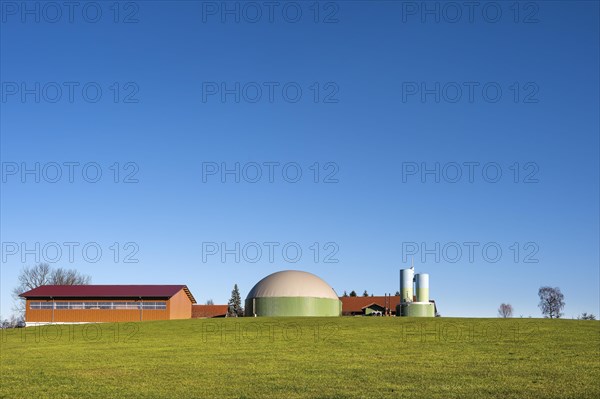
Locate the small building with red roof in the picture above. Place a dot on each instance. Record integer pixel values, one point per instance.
(209, 311)
(367, 305)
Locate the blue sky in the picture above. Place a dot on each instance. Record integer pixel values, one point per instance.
(380, 84)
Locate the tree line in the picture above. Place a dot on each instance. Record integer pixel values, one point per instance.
(365, 293)
(552, 302)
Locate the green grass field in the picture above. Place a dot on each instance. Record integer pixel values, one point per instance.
(377, 357)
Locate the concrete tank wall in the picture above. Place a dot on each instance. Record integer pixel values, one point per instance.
(416, 309)
(293, 306)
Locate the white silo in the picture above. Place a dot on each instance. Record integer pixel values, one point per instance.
(406, 285)
(422, 287)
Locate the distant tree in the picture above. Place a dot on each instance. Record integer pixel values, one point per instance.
(235, 303)
(353, 293)
(505, 310)
(365, 293)
(68, 277)
(210, 302)
(552, 301)
(345, 294)
(586, 316)
(397, 293)
(43, 274)
(14, 322)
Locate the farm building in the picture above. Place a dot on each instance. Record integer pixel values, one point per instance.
(106, 303)
(369, 305)
(376, 305)
(292, 293)
(208, 311)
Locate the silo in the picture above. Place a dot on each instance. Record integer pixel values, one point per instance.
(292, 293)
(406, 285)
(422, 287)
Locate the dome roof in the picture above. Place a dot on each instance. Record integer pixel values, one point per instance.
(292, 283)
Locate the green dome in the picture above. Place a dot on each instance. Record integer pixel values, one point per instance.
(292, 293)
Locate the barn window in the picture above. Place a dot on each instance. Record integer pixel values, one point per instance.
(99, 305)
(40, 305)
(154, 305)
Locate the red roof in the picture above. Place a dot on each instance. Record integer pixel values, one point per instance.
(209, 310)
(355, 304)
(107, 291)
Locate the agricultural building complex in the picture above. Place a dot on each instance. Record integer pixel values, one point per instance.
(284, 293)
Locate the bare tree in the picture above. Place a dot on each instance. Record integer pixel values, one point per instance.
(30, 278)
(33, 277)
(552, 301)
(68, 277)
(210, 302)
(505, 310)
(43, 274)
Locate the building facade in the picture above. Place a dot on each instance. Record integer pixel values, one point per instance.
(106, 303)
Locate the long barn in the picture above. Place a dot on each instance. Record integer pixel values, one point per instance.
(106, 303)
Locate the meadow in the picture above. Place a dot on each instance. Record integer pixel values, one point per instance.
(350, 357)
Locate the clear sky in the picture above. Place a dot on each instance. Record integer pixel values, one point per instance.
(209, 113)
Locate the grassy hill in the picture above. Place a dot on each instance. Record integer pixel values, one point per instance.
(376, 357)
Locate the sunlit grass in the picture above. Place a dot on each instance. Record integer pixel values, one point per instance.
(377, 357)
